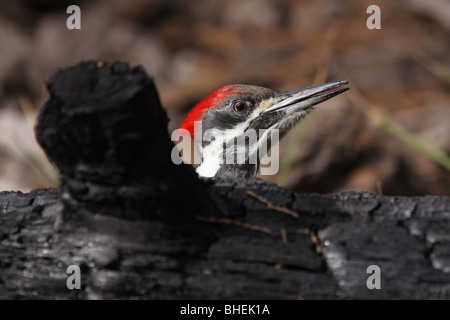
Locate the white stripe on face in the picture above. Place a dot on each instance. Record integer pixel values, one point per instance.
(213, 152)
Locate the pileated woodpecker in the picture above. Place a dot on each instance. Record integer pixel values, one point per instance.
(235, 110)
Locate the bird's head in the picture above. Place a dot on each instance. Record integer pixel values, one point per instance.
(235, 110)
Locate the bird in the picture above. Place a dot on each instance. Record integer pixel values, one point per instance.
(239, 110)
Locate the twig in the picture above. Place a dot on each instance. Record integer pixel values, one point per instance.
(283, 235)
(271, 206)
(316, 242)
(379, 188)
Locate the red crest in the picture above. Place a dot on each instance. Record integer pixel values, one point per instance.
(214, 100)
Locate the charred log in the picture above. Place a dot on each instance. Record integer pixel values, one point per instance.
(139, 226)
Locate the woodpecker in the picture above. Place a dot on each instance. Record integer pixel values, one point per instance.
(235, 110)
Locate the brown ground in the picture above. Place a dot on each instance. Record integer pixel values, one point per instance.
(194, 47)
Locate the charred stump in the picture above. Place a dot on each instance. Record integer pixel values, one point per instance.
(139, 226)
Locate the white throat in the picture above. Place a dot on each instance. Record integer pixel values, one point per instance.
(211, 159)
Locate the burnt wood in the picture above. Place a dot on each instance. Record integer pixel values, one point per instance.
(142, 227)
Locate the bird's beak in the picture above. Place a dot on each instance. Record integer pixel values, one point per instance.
(305, 98)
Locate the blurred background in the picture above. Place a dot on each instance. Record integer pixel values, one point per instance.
(389, 134)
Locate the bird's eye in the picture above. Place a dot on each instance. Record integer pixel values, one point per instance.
(240, 106)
